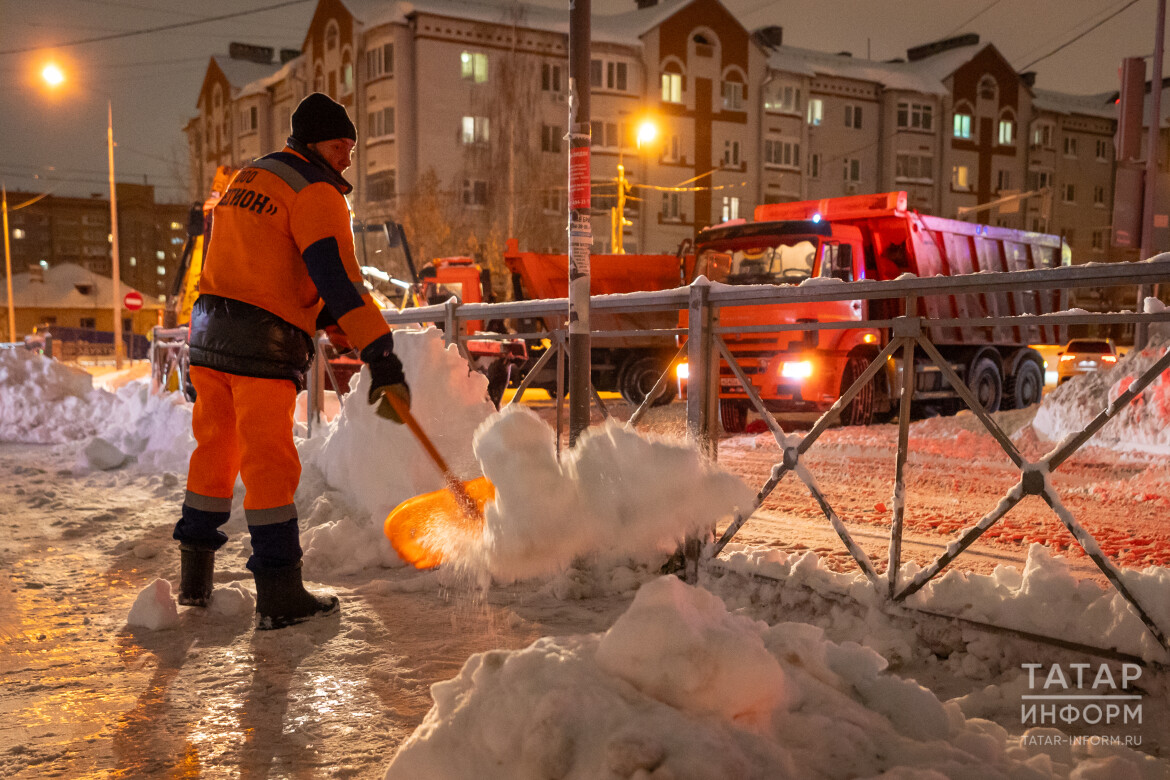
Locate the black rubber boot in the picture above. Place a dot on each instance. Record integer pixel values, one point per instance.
(281, 599)
(197, 569)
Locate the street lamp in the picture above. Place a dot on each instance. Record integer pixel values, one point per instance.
(55, 77)
(644, 135)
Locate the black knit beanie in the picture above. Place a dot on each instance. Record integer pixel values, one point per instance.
(319, 118)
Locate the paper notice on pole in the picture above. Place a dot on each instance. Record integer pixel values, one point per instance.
(579, 178)
(580, 245)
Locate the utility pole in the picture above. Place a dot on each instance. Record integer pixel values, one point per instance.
(119, 350)
(1141, 331)
(580, 229)
(8, 270)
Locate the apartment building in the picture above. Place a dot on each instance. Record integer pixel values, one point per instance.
(461, 110)
(56, 230)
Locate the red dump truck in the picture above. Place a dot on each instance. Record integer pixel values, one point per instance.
(626, 364)
(875, 237)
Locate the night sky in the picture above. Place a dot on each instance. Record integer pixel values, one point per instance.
(153, 79)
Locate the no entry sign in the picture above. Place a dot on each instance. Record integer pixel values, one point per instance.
(132, 301)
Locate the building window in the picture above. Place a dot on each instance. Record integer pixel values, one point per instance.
(1068, 194)
(814, 166)
(161, 270)
(733, 96)
(1040, 179)
(1099, 238)
(915, 116)
(853, 116)
(473, 66)
(248, 119)
(670, 207)
(914, 167)
(1007, 132)
(346, 72)
(1102, 149)
(784, 98)
(961, 178)
(816, 111)
(1003, 180)
(381, 185)
(475, 130)
(730, 208)
(380, 61)
(609, 74)
(781, 154)
(1042, 136)
(553, 202)
(852, 169)
(962, 126)
(550, 138)
(381, 123)
(731, 152)
(672, 87)
(89, 323)
(1099, 196)
(18, 233)
(475, 192)
(670, 150)
(604, 134)
(550, 77)
(988, 88)
(1070, 146)
(331, 35)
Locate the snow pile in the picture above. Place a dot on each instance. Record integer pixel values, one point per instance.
(615, 495)
(1046, 598)
(678, 687)
(155, 608)
(379, 464)
(1143, 424)
(153, 430)
(43, 401)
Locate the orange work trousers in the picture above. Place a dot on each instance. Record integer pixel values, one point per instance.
(244, 426)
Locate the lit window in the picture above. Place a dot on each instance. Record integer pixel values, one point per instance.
(162, 270)
(961, 177)
(816, 111)
(733, 96)
(161, 255)
(671, 87)
(962, 125)
(781, 97)
(730, 208)
(1007, 132)
(475, 130)
(17, 233)
(133, 261)
(474, 66)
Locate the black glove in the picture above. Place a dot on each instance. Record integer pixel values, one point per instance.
(385, 376)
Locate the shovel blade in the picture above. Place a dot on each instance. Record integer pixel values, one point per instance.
(415, 524)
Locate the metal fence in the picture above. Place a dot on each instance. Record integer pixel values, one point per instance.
(705, 347)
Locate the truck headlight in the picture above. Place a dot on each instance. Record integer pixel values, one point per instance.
(798, 369)
(682, 370)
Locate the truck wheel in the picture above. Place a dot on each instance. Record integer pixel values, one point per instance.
(986, 384)
(860, 410)
(733, 415)
(638, 378)
(1025, 388)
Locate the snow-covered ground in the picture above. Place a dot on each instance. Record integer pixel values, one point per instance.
(777, 665)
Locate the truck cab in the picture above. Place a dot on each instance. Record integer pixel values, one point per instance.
(791, 370)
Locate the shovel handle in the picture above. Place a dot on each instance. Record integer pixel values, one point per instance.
(403, 412)
(466, 503)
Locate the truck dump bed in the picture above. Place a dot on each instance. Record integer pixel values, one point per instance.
(547, 276)
(899, 241)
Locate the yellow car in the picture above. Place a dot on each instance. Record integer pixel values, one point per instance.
(1085, 356)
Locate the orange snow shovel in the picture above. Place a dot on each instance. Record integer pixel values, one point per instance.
(458, 506)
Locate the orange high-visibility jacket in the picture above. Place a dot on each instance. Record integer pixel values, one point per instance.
(282, 241)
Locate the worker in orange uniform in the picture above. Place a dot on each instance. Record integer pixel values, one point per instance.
(280, 262)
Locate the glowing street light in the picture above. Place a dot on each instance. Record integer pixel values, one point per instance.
(55, 77)
(647, 132)
(644, 135)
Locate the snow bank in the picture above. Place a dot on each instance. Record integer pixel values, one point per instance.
(152, 430)
(1046, 598)
(1142, 425)
(43, 401)
(680, 688)
(615, 495)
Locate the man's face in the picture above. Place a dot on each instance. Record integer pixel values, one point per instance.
(338, 152)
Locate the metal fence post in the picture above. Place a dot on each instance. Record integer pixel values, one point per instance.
(703, 372)
(451, 333)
